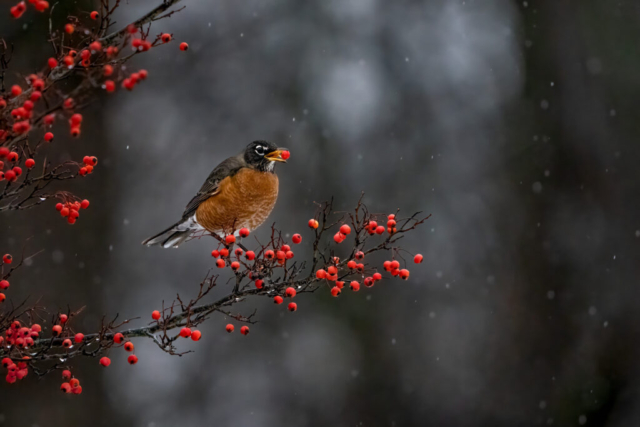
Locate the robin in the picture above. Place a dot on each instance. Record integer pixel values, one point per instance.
(239, 193)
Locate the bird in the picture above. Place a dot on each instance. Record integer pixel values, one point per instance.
(239, 193)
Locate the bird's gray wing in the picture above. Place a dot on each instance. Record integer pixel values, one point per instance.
(225, 169)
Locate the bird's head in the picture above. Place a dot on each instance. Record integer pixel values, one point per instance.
(263, 154)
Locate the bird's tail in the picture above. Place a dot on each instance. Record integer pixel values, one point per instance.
(175, 235)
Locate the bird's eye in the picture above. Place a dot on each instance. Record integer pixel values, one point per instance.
(260, 150)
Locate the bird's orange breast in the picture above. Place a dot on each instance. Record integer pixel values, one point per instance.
(242, 200)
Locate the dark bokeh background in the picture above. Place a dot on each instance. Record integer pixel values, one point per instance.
(514, 123)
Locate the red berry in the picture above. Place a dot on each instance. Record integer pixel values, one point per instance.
(259, 283)
(352, 264)
(76, 119)
(404, 274)
(17, 170)
(229, 328)
(41, 5)
(128, 346)
(48, 137)
(4, 284)
(155, 315)
(68, 103)
(107, 70)
(235, 265)
(196, 335)
(244, 330)
(65, 387)
(418, 258)
(78, 338)
(345, 229)
(94, 15)
(220, 263)
(69, 28)
(244, 232)
(52, 62)
(143, 74)
(281, 255)
(285, 155)
(355, 286)
(63, 318)
(340, 284)
(395, 265)
(184, 46)
(84, 204)
(377, 276)
(339, 237)
(292, 306)
(49, 119)
(66, 374)
(321, 274)
(105, 361)
(296, 238)
(368, 282)
(35, 95)
(110, 86)
(74, 382)
(166, 38)
(132, 359)
(215, 253)
(250, 255)
(290, 292)
(278, 299)
(66, 343)
(10, 175)
(269, 254)
(118, 338)
(313, 223)
(2, 298)
(335, 291)
(185, 332)
(359, 255)
(29, 163)
(230, 239)
(379, 229)
(16, 90)
(224, 252)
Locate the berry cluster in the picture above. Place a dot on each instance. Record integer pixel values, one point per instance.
(15, 371)
(71, 384)
(10, 160)
(71, 209)
(4, 283)
(89, 163)
(20, 336)
(19, 9)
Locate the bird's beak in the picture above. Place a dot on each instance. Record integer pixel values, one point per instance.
(279, 155)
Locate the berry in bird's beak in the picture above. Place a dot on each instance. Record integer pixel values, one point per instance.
(279, 155)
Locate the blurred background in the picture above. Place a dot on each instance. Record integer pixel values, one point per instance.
(514, 123)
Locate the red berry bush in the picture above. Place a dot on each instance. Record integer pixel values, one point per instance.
(88, 59)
